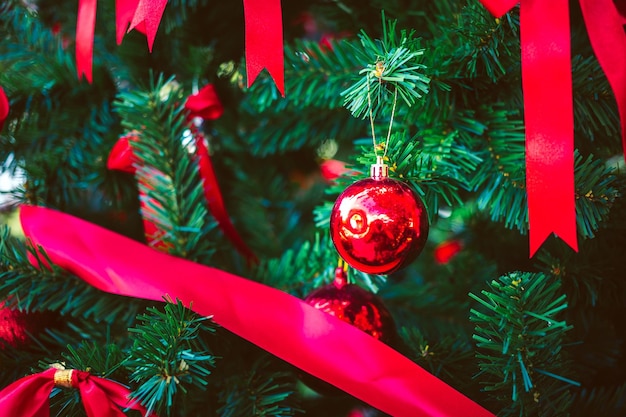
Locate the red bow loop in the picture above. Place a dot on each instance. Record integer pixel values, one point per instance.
(30, 396)
(205, 104)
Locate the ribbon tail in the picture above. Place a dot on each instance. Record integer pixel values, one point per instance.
(215, 201)
(264, 40)
(549, 120)
(124, 12)
(85, 28)
(605, 27)
(310, 339)
(29, 396)
(499, 7)
(149, 12)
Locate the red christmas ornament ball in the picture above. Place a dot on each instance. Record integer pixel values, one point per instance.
(13, 326)
(379, 225)
(354, 305)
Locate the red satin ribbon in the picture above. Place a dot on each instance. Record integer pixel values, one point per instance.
(85, 27)
(283, 325)
(30, 396)
(124, 12)
(4, 107)
(206, 105)
(264, 33)
(264, 40)
(215, 201)
(148, 17)
(548, 103)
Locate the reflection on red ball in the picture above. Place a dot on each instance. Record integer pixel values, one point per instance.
(379, 226)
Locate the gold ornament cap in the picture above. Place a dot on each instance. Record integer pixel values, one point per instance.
(379, 170)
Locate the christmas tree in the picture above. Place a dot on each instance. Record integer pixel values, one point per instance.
(165, 165)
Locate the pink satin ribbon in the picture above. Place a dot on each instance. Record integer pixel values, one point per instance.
(283, 325)
(30, 396)
(548, 103)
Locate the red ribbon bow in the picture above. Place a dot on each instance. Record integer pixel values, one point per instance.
(264, 33)
(4, 107)
(302, 335)
(30, 396)
(548, 103)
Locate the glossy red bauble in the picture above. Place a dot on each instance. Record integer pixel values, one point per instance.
(379, 225)
(354, 305)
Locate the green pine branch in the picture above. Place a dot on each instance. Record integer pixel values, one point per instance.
(393, 71)
(167, 172)
(261, 392)
(53, 289)
(519, 335)
(169, 357)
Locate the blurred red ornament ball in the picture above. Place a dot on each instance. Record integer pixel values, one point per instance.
(445, 251)
(379, 225)
(13, 325)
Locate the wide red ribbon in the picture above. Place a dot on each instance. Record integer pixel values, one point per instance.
(548, 103)
(30, 396)
(4, 107)
(298, 333)
(264, 40)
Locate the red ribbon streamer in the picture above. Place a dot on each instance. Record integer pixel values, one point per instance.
(124, 12)
(311, 340)
(148, 17)
(30, 396)
(264, 40)
(215, 201)
(4, 107)
(264, 33)
(206, 105)
(548, 103)
(85, 27)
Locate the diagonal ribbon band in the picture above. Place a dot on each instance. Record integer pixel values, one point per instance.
(30, 396)
(548, 103)
(309, 339)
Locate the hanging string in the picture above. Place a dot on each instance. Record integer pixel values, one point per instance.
(378, 72)
(393, 112)
(369, 105)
